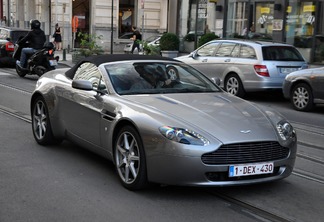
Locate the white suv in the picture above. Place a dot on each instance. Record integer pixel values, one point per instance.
(244, 66)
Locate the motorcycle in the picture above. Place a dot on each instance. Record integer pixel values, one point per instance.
(38, 63)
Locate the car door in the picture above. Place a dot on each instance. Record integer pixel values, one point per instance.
(318, 83)
(216, 63)
(202, 59)
(82, 110)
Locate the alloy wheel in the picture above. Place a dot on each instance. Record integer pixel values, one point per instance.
(232, 85)
(300, 97)
(40, 120)
(127, 157)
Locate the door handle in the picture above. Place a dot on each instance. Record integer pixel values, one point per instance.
(227, 60)
(204, 60)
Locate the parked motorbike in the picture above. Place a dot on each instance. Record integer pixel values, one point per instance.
(38, 63)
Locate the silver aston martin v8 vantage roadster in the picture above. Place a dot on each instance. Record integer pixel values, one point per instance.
(161, 121)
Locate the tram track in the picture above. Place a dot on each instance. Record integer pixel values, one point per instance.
(16, 88)
(253, 210)
(307, 128)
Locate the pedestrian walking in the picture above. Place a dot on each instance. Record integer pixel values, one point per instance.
(4, 21)
(57, 37)
(137, 37)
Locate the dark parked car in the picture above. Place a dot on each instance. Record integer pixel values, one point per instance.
(305, 88)
(8, 37)
(11, 33)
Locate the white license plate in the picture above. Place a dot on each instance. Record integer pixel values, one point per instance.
(288, 70)
(53, 62)
(250, 169)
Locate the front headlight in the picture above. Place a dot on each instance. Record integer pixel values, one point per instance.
(184, 136)
(285, 130)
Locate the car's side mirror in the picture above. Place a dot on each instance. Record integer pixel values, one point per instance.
(216, 80)
(82, 84)
(193, 55)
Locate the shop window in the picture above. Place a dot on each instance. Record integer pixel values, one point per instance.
(237, 19)
(264, 19)
(126, 18)
(200, 13)
(300, 29)
(81, 10)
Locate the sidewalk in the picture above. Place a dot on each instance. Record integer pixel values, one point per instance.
(64, 59)
(68, 59)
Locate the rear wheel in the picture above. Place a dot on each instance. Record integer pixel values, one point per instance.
(41, 124)
(20, 72)
(233, 85)
(302, 97)
(40, 70)
(130, 159)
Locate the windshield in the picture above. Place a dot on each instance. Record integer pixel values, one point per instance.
(157, 77)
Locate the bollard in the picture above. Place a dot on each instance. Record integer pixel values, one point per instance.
(64, 54)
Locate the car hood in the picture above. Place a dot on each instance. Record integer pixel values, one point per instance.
(305, 72)
(223, 116)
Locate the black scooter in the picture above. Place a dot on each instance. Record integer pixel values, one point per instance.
(38, 63)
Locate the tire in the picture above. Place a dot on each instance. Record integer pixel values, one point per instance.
(302, 97)
(40, 70)
(234, 86)
(20, 72)
(129, 159)
(41, 124)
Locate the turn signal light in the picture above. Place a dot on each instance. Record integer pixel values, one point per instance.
(261, 70)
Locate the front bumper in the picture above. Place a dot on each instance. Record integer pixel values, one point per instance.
(191, 171)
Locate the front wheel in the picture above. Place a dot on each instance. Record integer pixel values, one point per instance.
(233, 85)
(41, 124)
(130, 159)
(302, 97)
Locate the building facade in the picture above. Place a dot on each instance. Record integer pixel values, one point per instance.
(297, 22)
(111, 19)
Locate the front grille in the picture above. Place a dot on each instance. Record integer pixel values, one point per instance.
(246, 153)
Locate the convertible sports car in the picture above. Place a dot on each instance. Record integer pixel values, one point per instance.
(161, 121)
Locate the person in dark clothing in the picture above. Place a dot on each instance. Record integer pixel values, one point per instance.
(137, 36)
(35, 38)
(58, 37)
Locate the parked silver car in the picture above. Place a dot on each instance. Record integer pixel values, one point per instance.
(244, 66)
(305, 88)
(159, 120)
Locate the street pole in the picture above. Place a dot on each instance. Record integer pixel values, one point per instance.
(112, 27)
(49, 18)
(142, 11)
(9, 17)
(196, 24)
